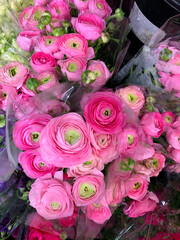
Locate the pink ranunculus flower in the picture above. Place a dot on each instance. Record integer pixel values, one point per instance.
(141, 152)
(27, 131)
(152, 124)
(81, 4)
(33, 165)
(174, 168)
(101, 71)
(27, 40)
(104, 146)
(174, 154)
(98, 212)
(139, 208)
(136, 187)
(74, 45)
(59, 9)
(172, 66)
(71, 220)
(169, 81)
(176, 124)
(24, 17)
(55, 108)
(34, 234)
(168, 119)
(86, 167)
(42, 62)
(100, 7)
(103, 112)
(88, 189)
(13, 74)
(128, 140)
(46, 80)
(73, 68)
(51, 197)
(35, 16)
(41, 2)
(65, 141)
(7, 94)
(49, 44)
(89, 25)
(173, 137)
(132, 96)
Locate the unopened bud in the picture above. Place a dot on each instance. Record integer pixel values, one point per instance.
(88, 77)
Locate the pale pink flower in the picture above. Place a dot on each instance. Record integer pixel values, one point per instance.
(27, 40)
(173, 137)
(46, 80)
(49, 44)
(7, 95)
(169, 81)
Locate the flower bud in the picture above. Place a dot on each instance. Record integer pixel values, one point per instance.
(2, 121)
(32, 84)
(111, 26)
(105, 37)
(40, 26)
(66, 24)
(58, 31)
(88, 77)
(119, 14)
(46, 18)
(165, 54)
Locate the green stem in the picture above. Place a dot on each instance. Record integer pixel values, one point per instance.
(111, 17)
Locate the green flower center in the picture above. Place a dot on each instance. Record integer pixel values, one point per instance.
(99, 6)
(72, 67)
(55, 205)
(49, 41)
(137, 185)
(97, 205)
(41, 164)
(87, 163)
(155, 163)
(131, 97)
(45, 80)
(86, 191)
(168, 119)
(179, 139)
(130, 139)
(58, 11)
(37, 15)
(107, 112)
(35, 136)
(13, 71)
(74, 45)
(97, 73)
(4, 94)
(72, 136)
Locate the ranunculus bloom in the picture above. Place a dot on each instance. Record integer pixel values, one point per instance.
(74, 45)
(173, 137)
(35, 16)
(65, 141)
(71, 220)
(33, 164)
(41, 2)
(73, 68)
(174, 154)
(169, 81)
(27, 40)
(136, 187)
(13, 74)
(81, 4)
(132, 96)
(51, 197)
(86, 167)
(59, 9)
(152, 124)
(46, 80)
(100, 7)
(49, 44)
(89, 25)
(168, 119)
(139, 208)
(7, 94)
(88, 189)
(104, 146)
(27, 131)
(42, 62)
(103, 112)
(24, 17)
(98, 212)
(101, 71)
(172, 66)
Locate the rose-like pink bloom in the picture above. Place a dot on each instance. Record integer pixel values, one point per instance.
(33, 164)
(98, 212)
(7, 94)
(65, 141)
(136, 187)
(32, 20)
(168, 119)
(100, 7)
(128, 140)
(88, 189)
(142, 151)
(172, 66)
(54, 108)
(104, 146)
(41, 2)
(42, 62)
(48, 44)
(13, 74)
(151, 166)
(74, 45)
(25, 16)
(174, 154)
(71, 220)
(81, 4)
(46, 80)
(35, 234)
(173, 137)
(27, 131)
(132, 96)
(51, 197)
(101, 71)
(59, 9)
(73, 68)
(152, 124)
(176, 124)
(139, 208)
(27, 40)
(89, 25)
(86, 167)
(169, 81)
(104, 114)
